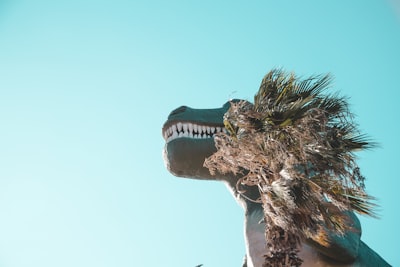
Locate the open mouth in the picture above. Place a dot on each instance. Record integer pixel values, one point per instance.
(190, 130)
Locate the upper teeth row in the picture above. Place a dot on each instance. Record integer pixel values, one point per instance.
(182, 129)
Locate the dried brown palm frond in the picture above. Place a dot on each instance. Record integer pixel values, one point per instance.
(296, 145)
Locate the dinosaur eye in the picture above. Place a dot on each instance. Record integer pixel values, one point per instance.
(227, 105)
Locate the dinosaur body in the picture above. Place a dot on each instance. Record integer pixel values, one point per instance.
(189, 141)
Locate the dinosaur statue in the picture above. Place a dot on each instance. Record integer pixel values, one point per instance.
(189, 140)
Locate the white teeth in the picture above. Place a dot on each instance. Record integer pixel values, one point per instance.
(190, 130)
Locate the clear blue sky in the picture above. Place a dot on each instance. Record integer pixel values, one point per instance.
(85, 87)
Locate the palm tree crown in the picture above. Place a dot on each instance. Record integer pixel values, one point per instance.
(296, 144)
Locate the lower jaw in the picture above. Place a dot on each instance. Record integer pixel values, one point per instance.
(185, 157)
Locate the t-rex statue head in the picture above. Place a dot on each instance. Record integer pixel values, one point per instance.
(189, 140)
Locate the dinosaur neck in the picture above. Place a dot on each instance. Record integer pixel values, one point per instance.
(254, 228)
(255, 235)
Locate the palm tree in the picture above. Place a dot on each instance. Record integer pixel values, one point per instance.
(296, 145)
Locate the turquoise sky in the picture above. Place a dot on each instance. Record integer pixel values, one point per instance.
(85, 87)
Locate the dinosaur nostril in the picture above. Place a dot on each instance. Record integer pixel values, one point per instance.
(181, 109)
